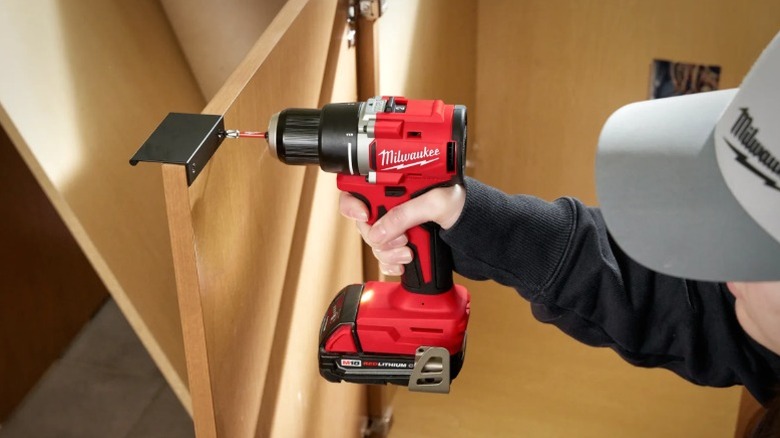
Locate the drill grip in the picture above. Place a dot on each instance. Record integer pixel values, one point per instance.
(430, 271)
(426, 243)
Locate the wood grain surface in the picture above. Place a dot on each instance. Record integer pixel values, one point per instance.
(49, 288)
(367, 58)
(325, 256)
(750, 414)
(89, 81)
(268, 250)
(427, 50)
(190, 305)
(550, 73)
(216, 35)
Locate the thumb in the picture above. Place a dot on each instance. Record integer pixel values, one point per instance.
(438, 205)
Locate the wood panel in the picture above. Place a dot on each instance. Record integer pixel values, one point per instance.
(325, 256)
(750, 413)
(550, 73)
(49, 288)
(89, 81)
(368, 58)
(427, 50)
(217, 34)
(254, 250)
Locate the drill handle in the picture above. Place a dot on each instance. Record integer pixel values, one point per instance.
(430, 271)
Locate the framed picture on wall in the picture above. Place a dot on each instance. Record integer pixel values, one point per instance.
(670, 78)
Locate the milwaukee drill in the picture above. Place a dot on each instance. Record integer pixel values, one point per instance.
(386, 151)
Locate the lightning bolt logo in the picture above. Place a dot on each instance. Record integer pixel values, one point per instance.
(742, 159)
(416, 163)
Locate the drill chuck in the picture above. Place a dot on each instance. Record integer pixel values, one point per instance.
(326, 136)
(293, 136)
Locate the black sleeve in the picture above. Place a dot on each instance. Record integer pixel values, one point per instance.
(560, 257)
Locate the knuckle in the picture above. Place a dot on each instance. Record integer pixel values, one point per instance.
(397, 216)
(382, 256)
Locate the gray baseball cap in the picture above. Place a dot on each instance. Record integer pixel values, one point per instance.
(690, 186)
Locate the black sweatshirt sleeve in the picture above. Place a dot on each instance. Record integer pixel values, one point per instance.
(560, 257)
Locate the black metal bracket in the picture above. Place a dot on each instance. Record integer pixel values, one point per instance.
(187, 139)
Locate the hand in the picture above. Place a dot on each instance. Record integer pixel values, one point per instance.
(386, 237)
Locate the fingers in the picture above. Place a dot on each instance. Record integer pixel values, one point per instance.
(392, 270)
(398, 242)
(391, 255)
(442, 205)
(352, 207)
(394, 256)
(387, 236)
(390, 230)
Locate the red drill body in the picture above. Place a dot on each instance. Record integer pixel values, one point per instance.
(386, 151)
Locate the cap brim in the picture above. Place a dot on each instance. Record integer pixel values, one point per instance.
(664, 199)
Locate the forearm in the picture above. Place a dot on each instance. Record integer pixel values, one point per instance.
(559, 256)
(518, 241)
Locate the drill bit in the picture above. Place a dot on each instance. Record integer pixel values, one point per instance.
(234, 133)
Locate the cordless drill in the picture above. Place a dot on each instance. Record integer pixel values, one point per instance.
(386, 151)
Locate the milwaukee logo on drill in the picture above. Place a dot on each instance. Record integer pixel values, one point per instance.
(403, 160)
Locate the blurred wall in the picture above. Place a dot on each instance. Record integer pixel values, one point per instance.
(427, 50)
(549, 74)
(216, 35)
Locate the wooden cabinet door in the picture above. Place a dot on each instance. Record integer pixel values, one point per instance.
(89, 80)
(259, 248)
